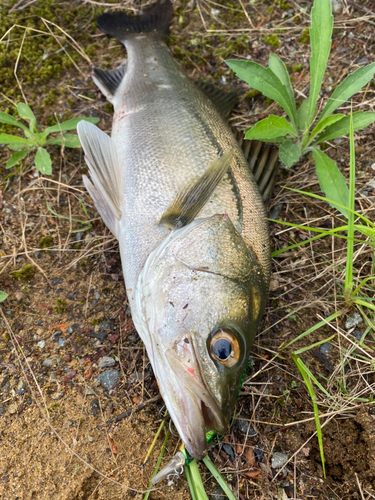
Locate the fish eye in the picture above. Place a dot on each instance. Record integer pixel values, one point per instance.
(224, 347)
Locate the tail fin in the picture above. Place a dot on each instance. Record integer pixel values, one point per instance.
(155, 19)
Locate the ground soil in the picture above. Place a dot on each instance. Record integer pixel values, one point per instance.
(59, 436)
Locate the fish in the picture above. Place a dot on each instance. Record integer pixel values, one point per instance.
(174, 187)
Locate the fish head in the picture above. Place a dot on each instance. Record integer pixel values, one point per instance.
(198, 302)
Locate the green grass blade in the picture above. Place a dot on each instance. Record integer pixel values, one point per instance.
(320, 41)
(301, 367)
(348, 286)
(68, 125)
(219, 478)
(86, 225)
(161, 454)
(312, 346)
(312, 329)
(195, 481)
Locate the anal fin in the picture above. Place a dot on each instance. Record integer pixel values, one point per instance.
(105, 171)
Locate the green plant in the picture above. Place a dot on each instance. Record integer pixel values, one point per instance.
(35, 140)
(306, 131)
(3, 296)
(85, 224)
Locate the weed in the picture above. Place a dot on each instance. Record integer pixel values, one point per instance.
(272, 40)
(35, 140)
(3, 296)
(26, 273)
(306, 130)
(46, 242)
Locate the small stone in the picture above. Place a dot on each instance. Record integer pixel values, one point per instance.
(373, 166)
(72, 328)
(229, 451)
(337, 7)
(136, 377)
(13, 408)
(274, 285)
(357, 333)
(363, 60)
(58, 395)
(325, 348)
(61, 342)
(42, 344)
(95, 408)
(258, 453)
(79, 236)
(94, 303)
(20, 392)
(278, 460)
(89, 392)
(108, 379)
(245, 427)
(47, 363)
(217, 494)
(106, 325)
(56, 281)
(90, 438)
(21, 385)
(57, 333)
(97, 295)
(215, 13)
(106, 362)
(353, 320)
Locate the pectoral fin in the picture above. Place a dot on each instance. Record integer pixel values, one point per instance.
(105, 172)
(193, 197)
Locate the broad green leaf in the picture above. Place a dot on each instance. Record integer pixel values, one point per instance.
(289, 153)
(331, 180)
(68, 140)
(302, 116)
(350, 86)
(43, 161)
(26, 113)
(3, 296)
(13, 139)
(265, 81)
(270, 128)
(9, 120)
(15, 158)
(322, 124)
(361, 119)
(69, 125)
(320, 41)
(21, 146)
(277, 66)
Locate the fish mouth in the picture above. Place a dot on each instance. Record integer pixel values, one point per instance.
(192, 408)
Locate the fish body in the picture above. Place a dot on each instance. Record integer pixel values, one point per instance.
(196, 284)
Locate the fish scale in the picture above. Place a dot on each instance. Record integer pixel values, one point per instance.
(174, 187)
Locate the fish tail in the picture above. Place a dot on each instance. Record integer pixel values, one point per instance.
(155, 19)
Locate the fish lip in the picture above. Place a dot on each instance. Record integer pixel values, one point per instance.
(192, 408)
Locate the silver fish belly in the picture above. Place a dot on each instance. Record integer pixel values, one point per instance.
(196, 292)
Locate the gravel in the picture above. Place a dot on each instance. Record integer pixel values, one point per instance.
(108, 379)
(278, 460)
(106, 362)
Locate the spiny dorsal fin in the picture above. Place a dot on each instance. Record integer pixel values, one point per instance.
(155, 19)
(263, 162)
(193, 197)
(222, 99)
(105, 171)
(108, 81)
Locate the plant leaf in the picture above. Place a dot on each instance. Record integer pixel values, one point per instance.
(43, 161)
(277, 66)
(15, 158)
(9, 120)
(67, 140)
(361, 119)
(322, 124)
(26, 113)
(331, 180)
(270, 128)
(289, 153)
(350, 86)
(302, 115)
(3, 296)
(320, 41)
(13, 139)
(20, 147)
(69, 125)
(265, 81)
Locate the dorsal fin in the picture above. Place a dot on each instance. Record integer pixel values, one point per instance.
(224, 100)
(263, 162)
(108, 81)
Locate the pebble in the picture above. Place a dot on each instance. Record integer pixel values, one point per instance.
(97, 295)
(89, 392)
(47, 363)
(61, 342)
(337, 7)
(42, 344)
(245, 427)
(108, 379)
(58, 395)
(106, 325)
(229, 451)
(106, 362)
(79, 236)
(12, 408)
(357, 333)
(278, 460)
(136, 377)
(217, 494)
(258, 453)
(90, 438)
(94, 406)
(56, 281)
(325, 348)
(20, 392)
(353, 320)
(72, 328)
(57, 333)
(21, 385)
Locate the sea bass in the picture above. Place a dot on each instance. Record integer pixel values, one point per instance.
(174, 187)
